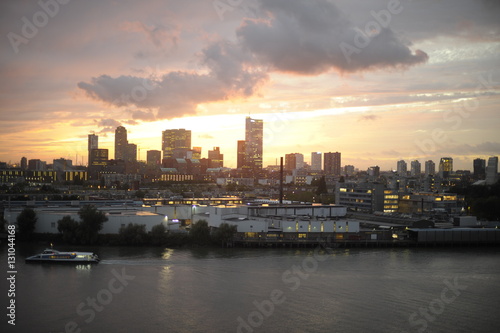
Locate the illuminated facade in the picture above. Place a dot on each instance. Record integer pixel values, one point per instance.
(176, 143)
(254, 134)
(241, 152)
(445, 167)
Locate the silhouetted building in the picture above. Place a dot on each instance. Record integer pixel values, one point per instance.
(153, 157)
(430, 168)
(37, 165)
(294, 161)
(479, 165)
(24, 163)
(93, 143)
(241, 152)
(416, 168)
(331, 163)
(176, 143)
(121, 143)
(402, 168)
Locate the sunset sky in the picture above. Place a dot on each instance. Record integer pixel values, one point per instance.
(378, 81)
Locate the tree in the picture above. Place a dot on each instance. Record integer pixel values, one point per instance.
(91, 223)
(26, 222)
(322, 186)
(224, 234)
(133, 234)
(69, 228)
(200, 233)
(158, 234)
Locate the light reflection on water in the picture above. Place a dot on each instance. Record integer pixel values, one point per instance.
(201, 290)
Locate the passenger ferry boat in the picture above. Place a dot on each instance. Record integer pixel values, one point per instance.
(50, 255)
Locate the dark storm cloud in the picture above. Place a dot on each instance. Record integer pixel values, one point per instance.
(312, 37)
(178, 93)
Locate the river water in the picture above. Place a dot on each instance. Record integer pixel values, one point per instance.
(258, 290)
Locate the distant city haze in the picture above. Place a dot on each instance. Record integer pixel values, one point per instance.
(378, 81)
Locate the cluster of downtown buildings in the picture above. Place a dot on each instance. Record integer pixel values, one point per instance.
(405, 190)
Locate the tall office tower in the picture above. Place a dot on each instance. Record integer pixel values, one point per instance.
(153, 157)
(492, 170)
(316, 161)
(130, 154)
(93, 143)
(331, 163)
(402, 168)
(176, 143)
(416, 168)
(24, 163)
(120, 143)
(445, 167)
(98, 157)
(479, 168)
(430, 168)
(216, 158)
(241, 152)
(290, 162)
(254, 134)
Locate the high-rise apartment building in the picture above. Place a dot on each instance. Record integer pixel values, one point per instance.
(331, 163)
(430, 168)
(492, 170)
(445, 167)
(176, 143)
(254, 134)
(416, 168)
(316, 161)
(402, 168)
(121, 143)
(479, 165)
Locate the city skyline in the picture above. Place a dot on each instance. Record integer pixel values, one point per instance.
(379, 82)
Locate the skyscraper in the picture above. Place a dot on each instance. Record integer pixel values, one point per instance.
(492, 170)
(316, 161)
(176, 143)
(402, 168)
(479, 165)
(93, 143)
(416, 168)
(254, 133)
(241, 152)
(430, 168)
(331, 163)
(445, 167)
(120, 143)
